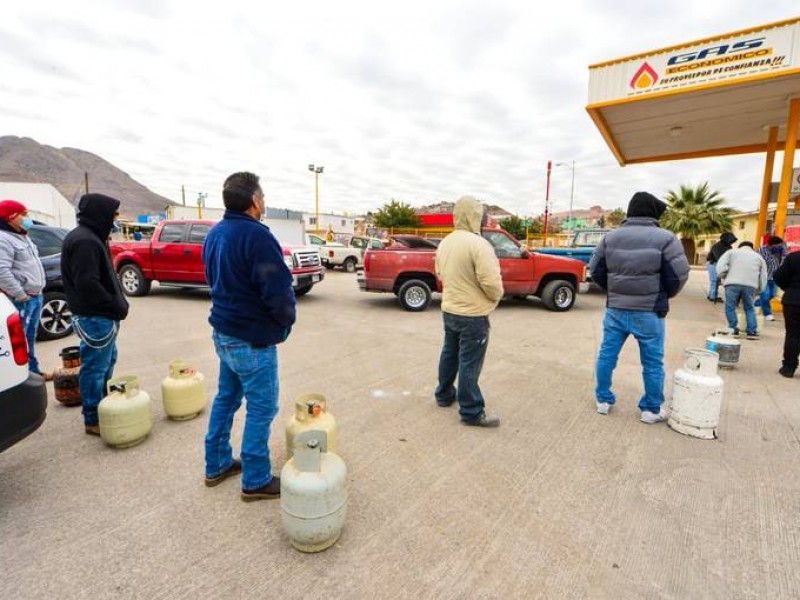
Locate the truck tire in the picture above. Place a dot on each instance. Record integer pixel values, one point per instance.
(414, 295)
(132, 281)
(350, 264)
(558, 295)
(302, 291)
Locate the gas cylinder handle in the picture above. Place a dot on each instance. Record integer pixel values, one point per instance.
(313, 443)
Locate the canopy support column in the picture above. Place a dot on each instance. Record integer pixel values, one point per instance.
(788, 162)
(772, 145)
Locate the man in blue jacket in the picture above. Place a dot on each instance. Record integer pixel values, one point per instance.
(252, 310)
(641, 266)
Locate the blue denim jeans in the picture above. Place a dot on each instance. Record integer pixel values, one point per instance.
(768, 294)
(649, 331)
(712, 280)
(98, 337)
(30, 312)
(733, 293)
(249, 372)
(463, 351)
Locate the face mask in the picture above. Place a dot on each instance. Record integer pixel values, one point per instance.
(115, 227)
(776, 249)
(27, 223)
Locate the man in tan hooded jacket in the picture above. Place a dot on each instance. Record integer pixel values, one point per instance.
(472, 287)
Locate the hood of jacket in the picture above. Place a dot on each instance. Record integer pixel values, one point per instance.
(468, 214)
(644, 204)
(96, 211)
(728, 238)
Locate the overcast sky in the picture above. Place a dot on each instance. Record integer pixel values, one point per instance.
(420, 101)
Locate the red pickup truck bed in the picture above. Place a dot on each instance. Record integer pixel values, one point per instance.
(410, 274)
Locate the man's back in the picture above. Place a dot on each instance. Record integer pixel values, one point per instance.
(251, 286)
(470, 274)
(743, 266)
(641, 265)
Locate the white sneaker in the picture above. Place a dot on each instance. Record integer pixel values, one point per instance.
(650, 418)
(769, 318)
(603, 408)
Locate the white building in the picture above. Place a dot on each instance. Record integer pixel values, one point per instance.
(341, 224)
(44, 202)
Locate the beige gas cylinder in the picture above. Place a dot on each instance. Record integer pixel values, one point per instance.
(313, 493)
(311, 412)
(183, 391)
(696, 395)
(728, 347)
(126, 415)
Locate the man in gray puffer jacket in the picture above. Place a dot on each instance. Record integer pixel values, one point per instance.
(641, 266)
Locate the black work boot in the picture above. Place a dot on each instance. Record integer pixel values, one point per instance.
(271, 491)
(484, 421)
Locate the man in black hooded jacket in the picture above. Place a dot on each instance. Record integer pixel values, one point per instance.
(95, 298)
(642, 266)
(725, 243)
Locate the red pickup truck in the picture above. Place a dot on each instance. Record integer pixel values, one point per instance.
(174, 257)
(410, 275)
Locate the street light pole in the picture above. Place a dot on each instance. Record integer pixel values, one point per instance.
(317, 172)
(571, 189)
(547, 202)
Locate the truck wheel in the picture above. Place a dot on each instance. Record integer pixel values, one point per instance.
(558, 295)
(414, 295)
(56, 320)
(350, 264)
(132, 281)
(302, 291)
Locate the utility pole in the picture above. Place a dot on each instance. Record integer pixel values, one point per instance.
(183, 194)
(86, 180)
(547, 201)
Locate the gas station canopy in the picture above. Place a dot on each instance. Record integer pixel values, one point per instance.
(712, 97)
(735, 93)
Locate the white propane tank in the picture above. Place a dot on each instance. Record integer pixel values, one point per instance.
(183, 391)
(311, 412)
(126, 416)
(313, 494)
(728, 347)
(697, 395)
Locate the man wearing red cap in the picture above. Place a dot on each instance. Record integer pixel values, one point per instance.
(21, 272)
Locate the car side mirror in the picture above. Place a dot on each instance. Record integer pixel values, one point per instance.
(523, 253)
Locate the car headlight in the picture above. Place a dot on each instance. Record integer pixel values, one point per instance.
(289, 262)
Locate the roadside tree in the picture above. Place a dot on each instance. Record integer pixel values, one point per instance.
(396, 214)
(694, 212)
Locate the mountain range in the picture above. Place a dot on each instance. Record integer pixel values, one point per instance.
(26, 160)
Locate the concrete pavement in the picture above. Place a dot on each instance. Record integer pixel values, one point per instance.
(557, 502)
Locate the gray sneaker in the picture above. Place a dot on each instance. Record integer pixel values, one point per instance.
(650, 418)
(484, 421)
(603, 408)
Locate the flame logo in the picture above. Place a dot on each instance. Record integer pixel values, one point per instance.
(644, 77)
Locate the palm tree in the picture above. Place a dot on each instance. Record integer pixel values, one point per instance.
(694, 212)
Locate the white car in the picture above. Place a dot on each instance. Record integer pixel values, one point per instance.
(23, 395)
(348, 256)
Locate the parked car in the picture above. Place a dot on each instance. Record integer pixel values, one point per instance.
(410, 274)
(173, 257)
(23, 395)
(56, 320)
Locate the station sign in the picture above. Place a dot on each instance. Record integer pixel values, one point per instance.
(728, 59)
